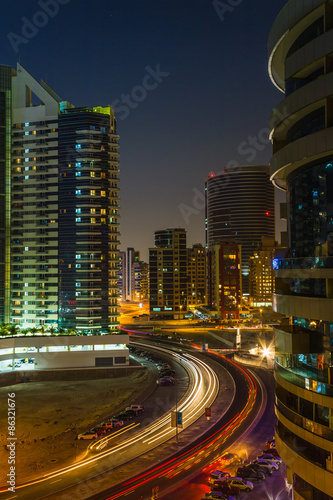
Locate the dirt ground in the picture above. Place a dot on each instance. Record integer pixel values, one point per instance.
(49, 415)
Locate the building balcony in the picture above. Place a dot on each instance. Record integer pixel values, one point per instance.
(305, 379)
(293, 339)
(314, 308)
(303, 422)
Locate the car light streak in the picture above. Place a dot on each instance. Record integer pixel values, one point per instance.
(203, 392)
(229, 428)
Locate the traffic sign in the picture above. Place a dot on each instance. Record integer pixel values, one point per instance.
(177, 419)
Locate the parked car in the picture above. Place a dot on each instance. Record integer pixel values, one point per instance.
(271, 443)
(258, 468)
(165, 381)
(242, 484)
(99, 430)
(216, 494)
(114, 420)
(264, 463)
(87, 435)
(138, 408)
(124, 415)
(271, 451)
(226, 488)
(270, 458)
(218, 475)
(250, 474)
(230, 458)
(222, 481)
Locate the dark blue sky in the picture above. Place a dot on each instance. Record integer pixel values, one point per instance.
(211, 93)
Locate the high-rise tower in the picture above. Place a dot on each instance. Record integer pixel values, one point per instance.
(64, 210)
(240, 207)
(300, 65)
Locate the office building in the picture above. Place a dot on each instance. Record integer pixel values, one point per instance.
(224, 279)
(300, 65)
(140, 280)
(261, 276)
(196, 268)
(5, 173)
(168, 275)
(64, 210)
(239, 206)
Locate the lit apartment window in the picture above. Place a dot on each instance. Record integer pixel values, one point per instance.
(92, 192)
(92, 174)
(103, 211)
(103, 193)
(92, 220)
(93, 210)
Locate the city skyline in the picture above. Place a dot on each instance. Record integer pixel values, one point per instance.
(182, 119)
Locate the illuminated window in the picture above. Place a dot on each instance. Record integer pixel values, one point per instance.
(78, 284)
(78, 146)
(103, 193)
(92, 174)
(78, 256)
(92, 220)
(78, 174)
(92, 192)
(93, 210)
(78, 191)
(78, 210)
(78, 219)
(103, 220)
(102, 175)
(78, 165)
(103, 211)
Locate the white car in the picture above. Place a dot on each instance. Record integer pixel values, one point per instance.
(218, 475)
(267, 465)
(87, 435)
(240, 483)
(270, 458)
(137, 408)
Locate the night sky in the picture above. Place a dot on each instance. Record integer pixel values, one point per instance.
(188, 82)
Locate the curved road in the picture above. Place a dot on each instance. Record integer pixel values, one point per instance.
(202, 392)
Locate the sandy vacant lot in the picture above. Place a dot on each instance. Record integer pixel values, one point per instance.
(49, 415)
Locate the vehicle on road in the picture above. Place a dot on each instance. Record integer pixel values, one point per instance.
(242, 484)
(87, 435)
(165, 381)
(266, 464)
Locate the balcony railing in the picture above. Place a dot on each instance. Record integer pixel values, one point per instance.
(303, 263)
(305, 379)
(305, 423)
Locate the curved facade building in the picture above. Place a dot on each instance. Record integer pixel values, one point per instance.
(240, 207)
(301, 66)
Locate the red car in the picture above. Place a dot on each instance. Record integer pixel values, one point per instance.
(224, 487)
(99, 431)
